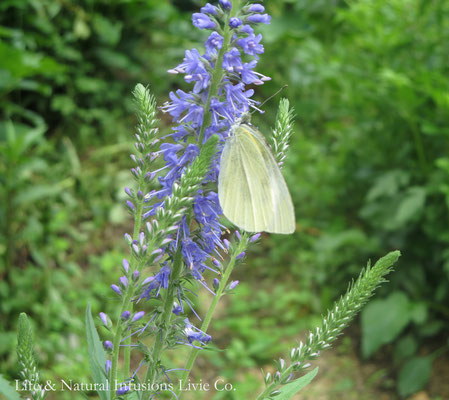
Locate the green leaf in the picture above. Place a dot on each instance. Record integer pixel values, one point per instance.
(383, 320)
(97, 355)
(414, 375)
(7, 390)
(290, 389)
(411, 206)
(405, 348)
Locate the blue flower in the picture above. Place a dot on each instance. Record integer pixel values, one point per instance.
(123, 390)
(209, 9)
(138, 316)
(232, 61)
(213, 43)
(257, 8)
(125, 315)
(194, 334)
(227, 5)
(259, 18)
(160, 280)
(202, 21)
(201, 239)
(108, 345)
(251, 44)
(235, 22)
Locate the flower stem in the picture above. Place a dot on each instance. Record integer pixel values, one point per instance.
(116, 341)
(126, 305)
(165, 317)
(194, 351)
(137, 225)
(338, 318)
(217, 75)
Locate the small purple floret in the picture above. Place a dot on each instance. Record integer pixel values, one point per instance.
(104, 318)
(108, 345)
(233, 284)
(259, 19)
(125, 264)
(209, 9)
(227, 5)
(116, 289)
(138, 316)
(235, 22)
(124, 281)
(202, 21)
(257, 8)
(122, 390)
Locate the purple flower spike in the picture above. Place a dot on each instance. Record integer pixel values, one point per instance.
(116, 289)
(227, 5)
(202, 21)
(125, 315)
(238, 236)
(216, 283)
(108, 365)
(123, 390)
(241, 255)
(125, 264)
(259, 19)
(257, 8)
(233, 285)
(138, 316)
(104, 319)
(108, 345)
(235, 22)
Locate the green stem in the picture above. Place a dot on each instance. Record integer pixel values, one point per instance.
(116, 342)
(137, 225)
(165, 317)
(127, 304)
(218, 73)
(194, 351)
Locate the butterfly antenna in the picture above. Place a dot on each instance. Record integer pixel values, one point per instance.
(269, 98)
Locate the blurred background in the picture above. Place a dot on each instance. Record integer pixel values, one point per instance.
(368, 169)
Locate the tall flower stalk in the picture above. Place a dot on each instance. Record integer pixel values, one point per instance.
(177, 228)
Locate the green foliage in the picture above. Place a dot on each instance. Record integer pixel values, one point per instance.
(383, 320)
(289, 390)
(336, 319)
(367, 165)
(414, 375)
(97, 356)
(7, 390)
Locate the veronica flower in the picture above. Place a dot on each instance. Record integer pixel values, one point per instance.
(183, 235)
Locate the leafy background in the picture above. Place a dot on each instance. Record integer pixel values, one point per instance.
(368, 170)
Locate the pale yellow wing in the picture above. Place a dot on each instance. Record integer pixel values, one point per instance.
(251, 189)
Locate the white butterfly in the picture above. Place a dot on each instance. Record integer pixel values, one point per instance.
(251, 189)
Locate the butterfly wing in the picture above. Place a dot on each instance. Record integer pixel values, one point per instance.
(251, 189)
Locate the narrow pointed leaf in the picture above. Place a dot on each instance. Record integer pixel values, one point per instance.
(97, 355)
(7, 390)
(290, 389)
